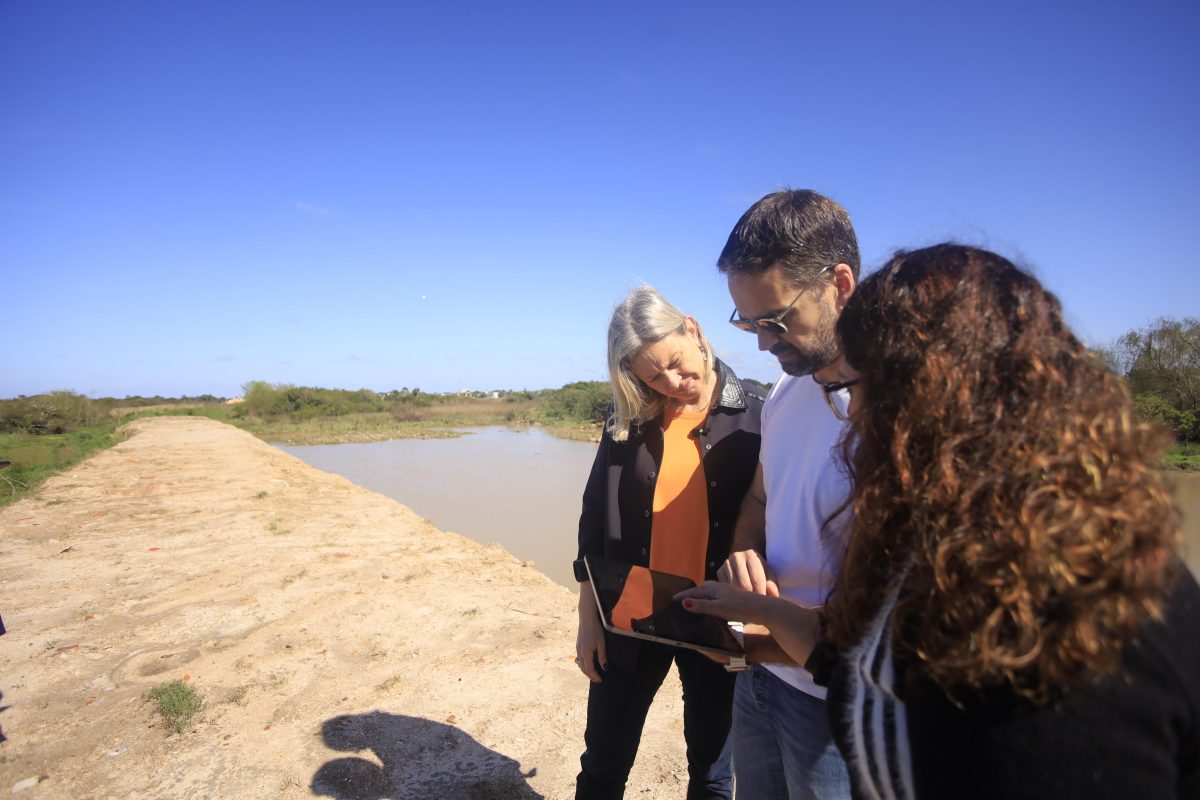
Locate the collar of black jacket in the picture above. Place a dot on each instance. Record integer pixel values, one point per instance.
(729, 392)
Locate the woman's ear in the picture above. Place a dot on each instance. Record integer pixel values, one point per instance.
(693, 328)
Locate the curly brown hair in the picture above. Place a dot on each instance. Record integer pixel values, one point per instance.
(1006, 464)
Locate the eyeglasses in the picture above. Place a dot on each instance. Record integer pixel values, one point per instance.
(837, 386)
(773, 323)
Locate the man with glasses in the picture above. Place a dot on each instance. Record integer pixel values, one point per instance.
(792, 263)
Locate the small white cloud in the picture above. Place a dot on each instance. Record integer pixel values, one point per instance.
(312, 209)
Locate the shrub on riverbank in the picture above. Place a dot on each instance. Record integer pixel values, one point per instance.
(581, 402)
(584, 401)
(53, 412)
(1161, 362)
(261, 399)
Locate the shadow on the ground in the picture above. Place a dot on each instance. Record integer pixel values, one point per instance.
(420, 759)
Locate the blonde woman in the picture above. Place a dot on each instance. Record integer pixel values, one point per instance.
(677, 456)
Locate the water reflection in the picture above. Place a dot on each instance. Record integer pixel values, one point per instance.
(521, 488)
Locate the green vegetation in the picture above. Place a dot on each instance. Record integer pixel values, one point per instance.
(47, 434)
(1184, 455)
(44, 435)
(56, 412)
(307, 415)
(583, 400)
(1162, 364)
(177, 702)
(36, 457)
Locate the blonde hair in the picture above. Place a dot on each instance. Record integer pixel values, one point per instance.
(643, 318)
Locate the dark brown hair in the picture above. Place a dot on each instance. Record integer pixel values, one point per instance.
(801, 231)
(1007, 466)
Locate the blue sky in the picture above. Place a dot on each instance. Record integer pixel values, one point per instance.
(385, 194)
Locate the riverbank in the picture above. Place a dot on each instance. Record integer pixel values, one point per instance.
(443, 421)
(342, 645)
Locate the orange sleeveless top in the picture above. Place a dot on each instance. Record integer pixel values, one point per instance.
(679, 529)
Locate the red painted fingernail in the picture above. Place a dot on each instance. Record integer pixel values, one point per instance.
(687, 603)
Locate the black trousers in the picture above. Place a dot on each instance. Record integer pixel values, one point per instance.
(617, 711)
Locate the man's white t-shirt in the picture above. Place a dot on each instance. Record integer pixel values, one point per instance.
(805, 483)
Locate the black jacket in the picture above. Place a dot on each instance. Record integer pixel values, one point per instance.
(619, 498)
(1133, 734)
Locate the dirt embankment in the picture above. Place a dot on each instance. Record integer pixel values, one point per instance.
(343, 646)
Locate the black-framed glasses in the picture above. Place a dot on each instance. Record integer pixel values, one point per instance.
(774, 322)
(837, 386)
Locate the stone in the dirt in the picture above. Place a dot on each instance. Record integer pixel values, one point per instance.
(28, 783)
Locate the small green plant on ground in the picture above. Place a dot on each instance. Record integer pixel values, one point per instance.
(238, 697)
(177, 702)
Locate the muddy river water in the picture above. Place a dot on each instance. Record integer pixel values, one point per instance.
(522, 488)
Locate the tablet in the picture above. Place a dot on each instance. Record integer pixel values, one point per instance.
(636, 601)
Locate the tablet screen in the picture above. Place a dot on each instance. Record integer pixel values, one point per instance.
(637, 601)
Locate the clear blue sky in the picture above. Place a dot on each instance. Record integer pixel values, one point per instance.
(383, 194)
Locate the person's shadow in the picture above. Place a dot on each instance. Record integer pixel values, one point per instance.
(421, 759)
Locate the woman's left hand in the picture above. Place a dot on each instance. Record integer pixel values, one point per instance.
(794, 628)
(725, 602)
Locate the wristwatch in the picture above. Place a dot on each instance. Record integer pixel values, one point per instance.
(737, 663)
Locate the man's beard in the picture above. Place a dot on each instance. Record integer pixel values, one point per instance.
(815, 356)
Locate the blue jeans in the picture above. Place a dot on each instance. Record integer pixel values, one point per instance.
(782, 747)
(617, 711)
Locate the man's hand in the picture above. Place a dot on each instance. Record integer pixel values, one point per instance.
(747, 569)
(589, 641)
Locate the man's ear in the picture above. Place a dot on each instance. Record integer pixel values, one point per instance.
(843, 280)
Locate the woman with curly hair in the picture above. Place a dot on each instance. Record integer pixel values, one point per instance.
(1011, 618)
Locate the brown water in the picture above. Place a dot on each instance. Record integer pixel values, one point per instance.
(519, 488)
(522, 488)
(1186, 488)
